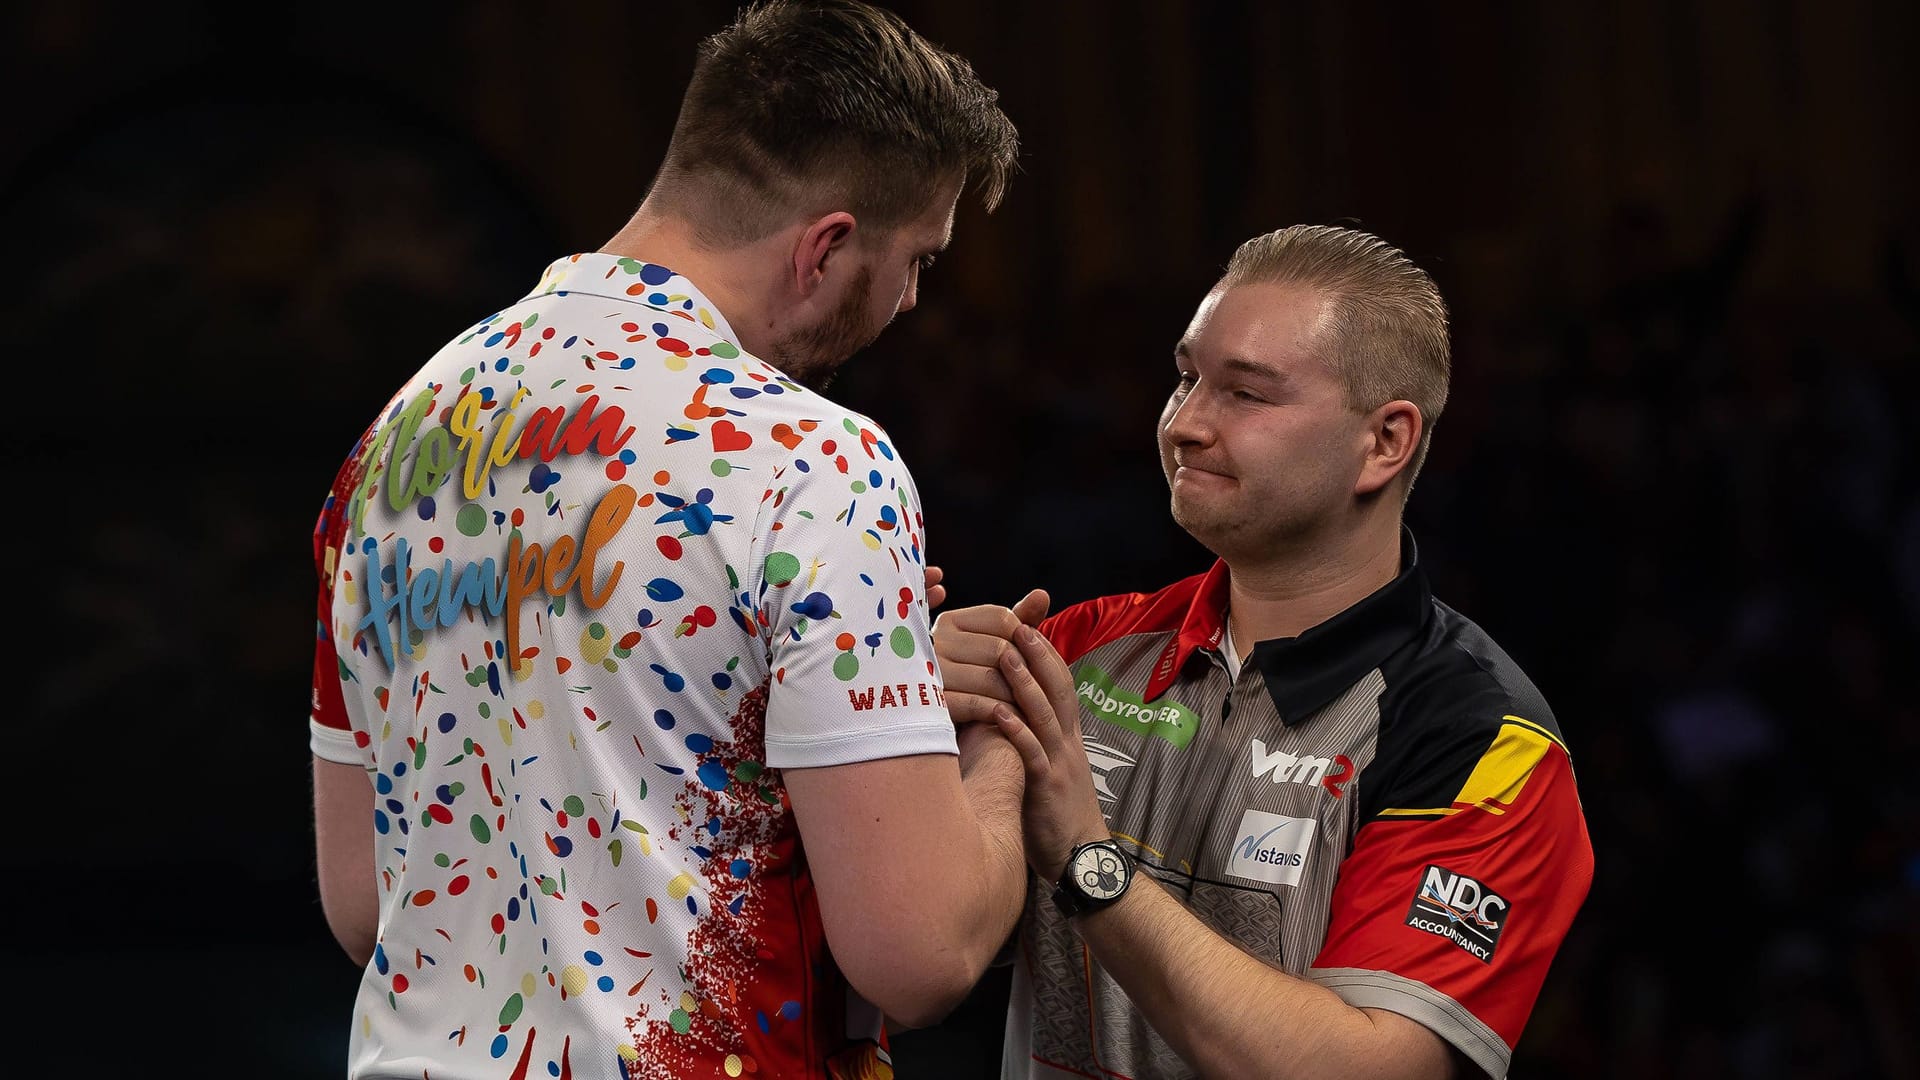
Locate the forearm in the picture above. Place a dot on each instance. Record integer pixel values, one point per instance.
(987, 882)
(995, 785)
(984, 887)
(343, 856)
(1226, 1012)
(916, 893)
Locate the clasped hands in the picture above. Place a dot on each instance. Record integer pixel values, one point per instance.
(1002, 676)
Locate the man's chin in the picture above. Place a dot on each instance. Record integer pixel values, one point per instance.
(1196, 522)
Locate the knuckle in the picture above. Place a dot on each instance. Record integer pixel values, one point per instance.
(967, 679)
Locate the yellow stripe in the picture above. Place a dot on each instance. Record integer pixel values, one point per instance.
(1536, 727)
(1185, 866)
(1503, 770)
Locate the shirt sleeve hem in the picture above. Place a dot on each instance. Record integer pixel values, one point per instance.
(332, 744)
(1447, 1018)
(847, 747)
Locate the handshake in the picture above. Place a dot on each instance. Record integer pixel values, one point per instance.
(1012, 697)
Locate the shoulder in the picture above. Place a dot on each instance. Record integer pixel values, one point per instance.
(1460, 723)
(855, 432)
(1077, 628)
(1455, 676)
(821, 449)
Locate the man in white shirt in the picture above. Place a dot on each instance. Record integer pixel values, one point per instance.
(631, 756)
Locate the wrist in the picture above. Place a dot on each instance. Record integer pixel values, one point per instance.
(1090, 921)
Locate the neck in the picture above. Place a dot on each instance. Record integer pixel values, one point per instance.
(734, 279)
(1287, 595)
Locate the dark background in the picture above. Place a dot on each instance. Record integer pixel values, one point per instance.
(1677, 478)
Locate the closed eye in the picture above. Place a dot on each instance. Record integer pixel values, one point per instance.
(926, 261)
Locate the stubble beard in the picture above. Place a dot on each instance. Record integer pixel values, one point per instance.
(812, 355)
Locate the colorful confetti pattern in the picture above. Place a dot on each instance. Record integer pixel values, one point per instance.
(587, 584)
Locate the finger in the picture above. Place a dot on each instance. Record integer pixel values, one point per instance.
(978, 676)
(990, 619)
(975, 682)
(1032, 607)
(963, 647)
(1046, 667)
(966, 708)
(1032, 754)
(936, 595)
(1031, 699)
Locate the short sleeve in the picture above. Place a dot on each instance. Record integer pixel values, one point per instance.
(841, 593)
(1449, 911)
(330, 732)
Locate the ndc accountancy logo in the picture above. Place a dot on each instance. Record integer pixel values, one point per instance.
(1272, 847)
(1460, 909)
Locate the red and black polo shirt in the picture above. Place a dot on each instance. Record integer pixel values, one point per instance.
(1384, 805)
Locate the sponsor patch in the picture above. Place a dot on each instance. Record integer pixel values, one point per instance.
(1330, 773)
(1168, 720)
(1272, 847)
(1460, 909)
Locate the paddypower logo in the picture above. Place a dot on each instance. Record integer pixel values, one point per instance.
(1163, 719)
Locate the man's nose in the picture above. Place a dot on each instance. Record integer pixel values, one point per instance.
(1188, 423)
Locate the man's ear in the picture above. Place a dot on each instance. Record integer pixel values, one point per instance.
(1393, 432)
(817, 244)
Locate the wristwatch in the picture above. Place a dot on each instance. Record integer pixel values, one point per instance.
(1097, 874)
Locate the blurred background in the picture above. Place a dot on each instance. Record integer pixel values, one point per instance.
(1677, 478)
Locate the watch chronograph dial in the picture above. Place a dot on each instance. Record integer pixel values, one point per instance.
(1101, 872)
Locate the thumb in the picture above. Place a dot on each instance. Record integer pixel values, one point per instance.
(1032, 607)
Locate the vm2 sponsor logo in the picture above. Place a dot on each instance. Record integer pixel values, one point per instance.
(1330, 773)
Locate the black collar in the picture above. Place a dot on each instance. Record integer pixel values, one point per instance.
(1305, 673)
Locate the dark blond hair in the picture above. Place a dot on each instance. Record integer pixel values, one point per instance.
(1388, 338)
(808, 106)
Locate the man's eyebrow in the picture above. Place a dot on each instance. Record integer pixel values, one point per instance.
(1258, 370)
(1183, 351)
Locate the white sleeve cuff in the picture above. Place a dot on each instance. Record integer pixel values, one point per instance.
(933, 735)
(332, 744)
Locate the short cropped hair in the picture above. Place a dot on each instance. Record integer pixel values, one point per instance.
(1388, 336)
(809, 106)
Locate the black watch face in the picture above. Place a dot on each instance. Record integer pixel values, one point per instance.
(1100, 872)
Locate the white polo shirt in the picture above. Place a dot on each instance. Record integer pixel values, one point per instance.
(589, 581)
